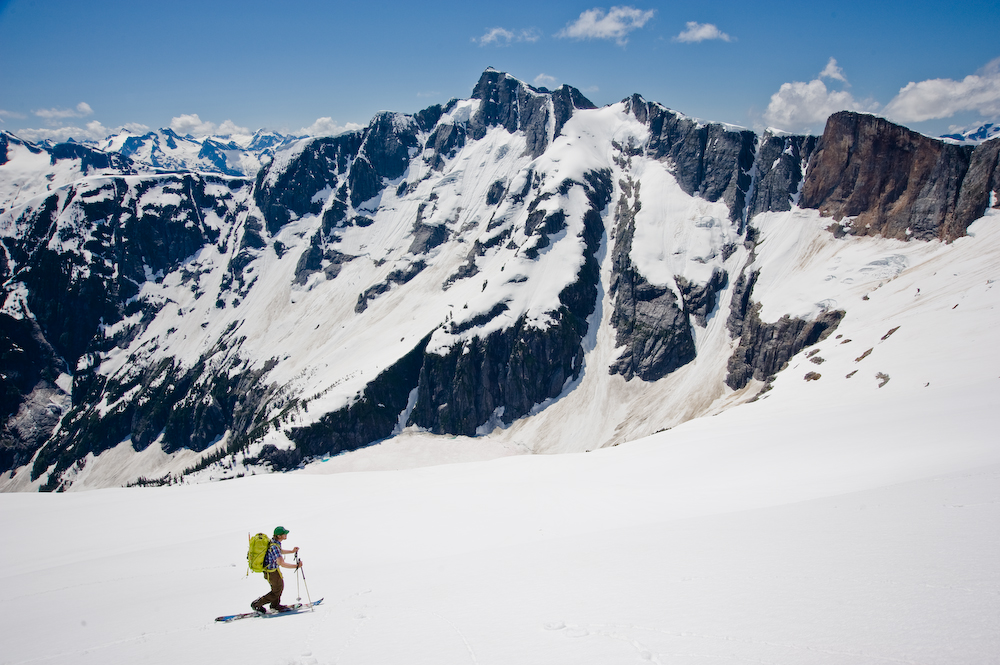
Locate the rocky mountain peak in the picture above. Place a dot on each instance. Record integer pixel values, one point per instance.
(516, 106)
(878, 178)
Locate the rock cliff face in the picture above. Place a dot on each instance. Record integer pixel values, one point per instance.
(448, 270)
(711, 161)
(515, 106)
(981, 181)
(877, 178)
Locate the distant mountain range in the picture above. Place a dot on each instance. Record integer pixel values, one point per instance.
(986, 132)
(519, 265)
(228, 155)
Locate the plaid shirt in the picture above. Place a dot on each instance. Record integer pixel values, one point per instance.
(273, 555)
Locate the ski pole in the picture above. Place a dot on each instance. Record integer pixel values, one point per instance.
(298, 593)
(306, 585)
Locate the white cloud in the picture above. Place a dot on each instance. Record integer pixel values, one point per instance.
(82, 110)
(228, 128)
(700, 32)
(616, 24)
(10, 114)
(327, 127)
(943, 98)
(545, 81)
(504, 37)
(191, 123)
(804, 107)
(833, 71)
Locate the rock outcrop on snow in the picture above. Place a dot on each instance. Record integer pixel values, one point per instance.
(451, 270)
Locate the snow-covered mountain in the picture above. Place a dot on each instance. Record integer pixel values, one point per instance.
(29, 170)
(164, 149)
(980, 134)
(519, 268)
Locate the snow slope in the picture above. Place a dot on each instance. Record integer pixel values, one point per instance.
(842, 533)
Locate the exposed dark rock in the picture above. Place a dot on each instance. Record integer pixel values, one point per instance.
(428, 118)
(388, 144)
(370, 418)
(29, 399)
(215, 153)
(7, 139)
(565, 100)
(313, 258)
(124, 242)
(700, 299)
(446, 140)
(649, 320)
(190, 407)
(506, 373)
(291, 191)
(887, 179)
(513, 105)
(710, 161)
(765, 348)
(540, 225)
(389, 140)
(400, 276)
(740, 304)
(781, 161)
(91, 159)
(982, 178)
(426, 237)
(495, 193)
(364, 181)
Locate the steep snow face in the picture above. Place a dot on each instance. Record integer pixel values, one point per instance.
(520, 269)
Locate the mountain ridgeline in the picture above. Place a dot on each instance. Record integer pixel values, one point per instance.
(451, 270)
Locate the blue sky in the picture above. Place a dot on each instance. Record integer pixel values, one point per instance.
(84, 68)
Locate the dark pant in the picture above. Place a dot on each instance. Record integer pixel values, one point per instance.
(277, 586)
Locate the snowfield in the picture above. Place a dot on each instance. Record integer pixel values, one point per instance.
(842, 533)
(832, 521)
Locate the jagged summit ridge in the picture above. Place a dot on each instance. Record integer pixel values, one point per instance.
(475, 269)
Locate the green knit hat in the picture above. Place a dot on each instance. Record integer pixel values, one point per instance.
(280, 531)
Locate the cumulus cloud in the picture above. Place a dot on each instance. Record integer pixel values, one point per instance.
(504, 37)
(545, 81)
(616, 24)
(328, 127)
(805, 106)
(82, 110)
(943, 98)
(191, 123)
(701, 32)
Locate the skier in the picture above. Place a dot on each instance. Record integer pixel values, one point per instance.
(272, 561)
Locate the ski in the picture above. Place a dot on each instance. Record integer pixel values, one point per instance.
(297, 608)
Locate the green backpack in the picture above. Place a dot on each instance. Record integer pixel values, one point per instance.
(255, 555)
